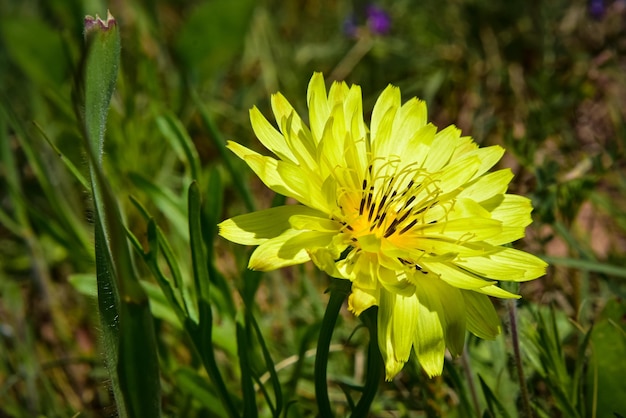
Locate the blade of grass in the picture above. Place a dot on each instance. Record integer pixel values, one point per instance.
(201, 332)
(269, 363)
(587, 265)
(173, 129)
(247, 385)
(494, 406)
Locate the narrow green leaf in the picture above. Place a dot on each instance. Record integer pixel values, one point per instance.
(167, 202)
(211, 217)
(68, 164)
(172, 128)
(269, 363)
(247, 386)
(581, 361)
(201, 332)
(197, 386)
(494, 406)
(198, 255)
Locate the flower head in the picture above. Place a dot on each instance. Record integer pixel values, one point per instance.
(409, 215)
(374, 20)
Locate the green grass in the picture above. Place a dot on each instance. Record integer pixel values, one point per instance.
(543, 79)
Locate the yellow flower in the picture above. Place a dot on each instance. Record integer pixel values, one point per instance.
(409, 215)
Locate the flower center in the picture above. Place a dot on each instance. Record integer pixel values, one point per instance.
(389, 203)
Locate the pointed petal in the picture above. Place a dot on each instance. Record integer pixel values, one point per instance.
(482, 319)
(507, 264)
(362, 299)
(283, 177)
(454, 312)
(488, 185)
(497, 292)
(269, 136)
(466, 229)
(397, 319)
(441, 149)
(319, 108)
(296, 133)
(514, 213)
(383, 116)
(429, 337)
(324, 259)
(454, 275)
(257, 227)
(288, 249)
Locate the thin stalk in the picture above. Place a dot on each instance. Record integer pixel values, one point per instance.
(518, 358)
(339, 289)
(374, 365)
(467, 368)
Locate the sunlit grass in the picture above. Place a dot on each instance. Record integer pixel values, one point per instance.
(544, 80)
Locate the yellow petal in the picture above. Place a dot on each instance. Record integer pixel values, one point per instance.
(269, 136)
(362, 299)
(497, 292)
(283, 177)
(383, 116)
(482, 319)
(397, 321)
(514, 213)
(441, 149)
(257, 227)
(429, 337)
(319, 108)
(455, 276)
(488, 185)
(507, 264)
(288, 249)
(454, 313)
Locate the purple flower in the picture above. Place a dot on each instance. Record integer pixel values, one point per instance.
(372, 19)
(378, 20)
(597, 9)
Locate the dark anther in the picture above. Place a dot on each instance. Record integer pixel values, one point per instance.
(369, 217)
(409, 226)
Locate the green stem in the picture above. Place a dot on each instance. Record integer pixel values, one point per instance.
(467, 368)
(339, 289)
(374, 365)
(518, 358)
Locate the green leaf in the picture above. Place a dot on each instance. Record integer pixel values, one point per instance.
(269, 364)
(128, 329)
(190, 382)
(202, 331)
(172, 128)
(609, 345)
(247, 387)
(494, 406)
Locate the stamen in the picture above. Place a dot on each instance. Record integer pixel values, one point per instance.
(370, 194)
(409, 226)
(369, 217)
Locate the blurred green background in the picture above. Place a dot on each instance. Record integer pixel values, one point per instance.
(545, 79)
